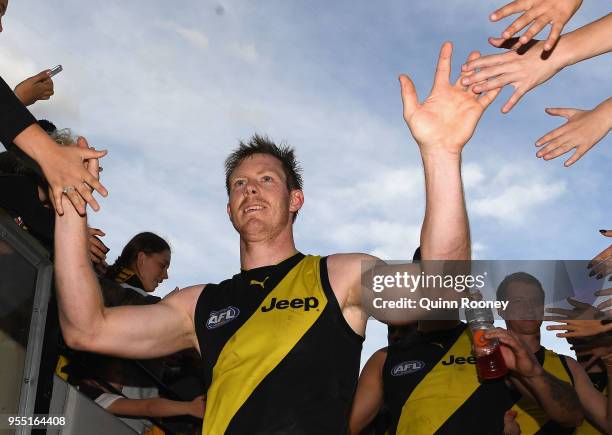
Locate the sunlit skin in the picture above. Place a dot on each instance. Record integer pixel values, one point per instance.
(152, 269)
(261, 209)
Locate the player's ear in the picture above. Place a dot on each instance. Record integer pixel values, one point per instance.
(296, 200)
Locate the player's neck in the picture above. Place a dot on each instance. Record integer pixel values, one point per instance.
(267, 252)
(436, 325)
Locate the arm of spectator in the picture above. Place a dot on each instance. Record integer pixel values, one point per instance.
(13, 115)
(580, 310)
(158, 407)
(597, 408)
(62, 167)
(601, 265)
(557, 398)
(32, 89)
(525, 67)
(580, 327)
(583, 129)
(368, 398)
(145, 331)
(97, 248)
(538, 13)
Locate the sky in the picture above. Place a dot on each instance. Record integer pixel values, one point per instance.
(169, 88)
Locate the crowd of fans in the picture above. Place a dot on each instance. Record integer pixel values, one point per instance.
(173, 386)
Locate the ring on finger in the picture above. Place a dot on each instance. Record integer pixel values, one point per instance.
(68, 189)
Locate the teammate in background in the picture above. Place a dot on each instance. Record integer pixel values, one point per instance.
(523, 318)
(429, 384)
(281, 340)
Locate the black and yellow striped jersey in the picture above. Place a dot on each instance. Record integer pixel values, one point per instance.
(278, 354)
(431, 386)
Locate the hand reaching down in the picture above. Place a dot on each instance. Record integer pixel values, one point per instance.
(538, 13)
(583, 129)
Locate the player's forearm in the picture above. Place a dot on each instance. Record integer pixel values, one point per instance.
(445, 232)
(557, 398)
(588, 41)
(81, 307)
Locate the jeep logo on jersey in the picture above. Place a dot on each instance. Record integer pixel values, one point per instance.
(221, 317)
(306, 304)
(407, 367)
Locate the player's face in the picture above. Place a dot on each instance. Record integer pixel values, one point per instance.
(260, 205)
(525, 308)
(152, 269)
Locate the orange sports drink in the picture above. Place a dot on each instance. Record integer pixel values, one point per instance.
(489, 359)
(490, 362)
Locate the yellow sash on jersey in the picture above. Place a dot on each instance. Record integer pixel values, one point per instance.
(261, 343)
(440, 393)
(531, 417)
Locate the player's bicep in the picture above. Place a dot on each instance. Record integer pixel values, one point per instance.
(149, 331)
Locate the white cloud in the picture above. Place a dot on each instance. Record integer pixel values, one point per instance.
(246, 52)
(193, 36)
(514, 193)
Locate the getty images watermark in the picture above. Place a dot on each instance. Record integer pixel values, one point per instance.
(406, 291)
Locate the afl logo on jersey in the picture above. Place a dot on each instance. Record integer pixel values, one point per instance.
(221, 317)
(407, 367)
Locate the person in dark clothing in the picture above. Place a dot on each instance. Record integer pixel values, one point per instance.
(63, 167)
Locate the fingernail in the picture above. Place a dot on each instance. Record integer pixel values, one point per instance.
(547, 47)
(493, 17)
(476, 89)
(603, 231)
(505, 35)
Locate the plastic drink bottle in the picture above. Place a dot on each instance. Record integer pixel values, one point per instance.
(489, 359)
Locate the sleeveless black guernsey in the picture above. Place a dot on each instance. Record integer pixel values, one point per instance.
(278, 355)
(430, 385)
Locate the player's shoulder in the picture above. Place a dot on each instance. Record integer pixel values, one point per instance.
(352, 261)
(185, 297)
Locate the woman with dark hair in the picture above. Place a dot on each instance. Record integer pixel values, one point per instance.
(116, 384)
(143, 263)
